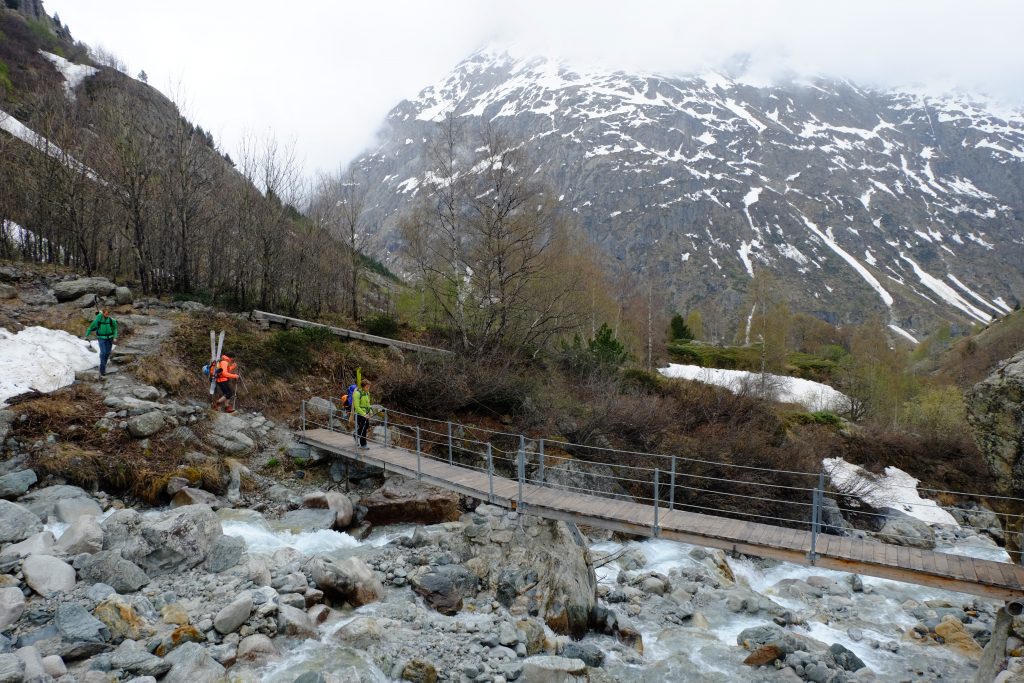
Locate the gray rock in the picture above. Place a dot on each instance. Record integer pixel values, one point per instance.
(34, 670)
(12, 605)
(122, 296)
(190, 663)
(107, 566)
(69, 290)
(228, 433)
(8, 292)
(193, 496)
(42, 502)
(54, 666)
(99, 591)
(845, 657)
(342, 506)
(293, 621)
(17, 522)
(349, 580)
(309, 519)
(255, 648)
(551, 669)
(225, 553)
(907, 531)
(122, 531)
(17, 483)
(77, 625)
(12, 669)
(180, 540)
(83, 536)
(132, 658)
(36, 544)
(444, 587)
(47, 575)
(588, 652)
(147, 424)
(233, 614)
(69, 510)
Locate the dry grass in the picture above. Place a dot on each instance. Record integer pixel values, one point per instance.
(166, 371)
(111, 460)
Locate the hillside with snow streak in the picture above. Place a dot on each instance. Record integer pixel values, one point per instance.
(861, 202)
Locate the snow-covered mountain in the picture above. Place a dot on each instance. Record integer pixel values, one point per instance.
(860, 201)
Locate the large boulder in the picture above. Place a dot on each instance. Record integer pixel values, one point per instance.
(444, 587)
(122, 531)
(36, 544)
(292, 621)
(342, 506)
(349, 580)
(308, 519)
(995, 407)
(16, 484)
(123, 296)
(180, 540)
(69, 290)
(192, 496)
(256, 648)
(107, 566)
(904, 530)
(17, 522)
(407, 500)
(552, 669)
(83, 536)
(47, 575)
(12, 669)
(69, 510)
(42, 502)
(535, 566)
(225, 553)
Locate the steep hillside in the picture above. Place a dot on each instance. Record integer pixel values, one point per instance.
(861, 202)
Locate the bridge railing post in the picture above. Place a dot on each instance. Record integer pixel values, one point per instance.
(521, 467)
(540, 463)
(816, 501)
(330, 415)
(419, 473)
(449, 442)
(672, 486)
(490, 475)
(656, 530)
(385, 428)
(303, 413)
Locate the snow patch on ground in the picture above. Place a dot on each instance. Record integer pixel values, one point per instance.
(902, 332)
(41, 359)
(893, 489)
(73, 73)
(811, 395)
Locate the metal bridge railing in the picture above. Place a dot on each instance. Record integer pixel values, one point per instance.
(779, 497)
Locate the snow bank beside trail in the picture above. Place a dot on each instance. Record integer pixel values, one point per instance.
(811, 395)
(893, 489)
(41, 359)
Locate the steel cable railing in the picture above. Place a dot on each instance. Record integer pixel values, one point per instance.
(706, 486)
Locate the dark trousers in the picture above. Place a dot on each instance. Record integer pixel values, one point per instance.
(105, 347)
(362, 425)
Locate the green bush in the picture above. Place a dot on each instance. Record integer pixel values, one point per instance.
(381, 325)
(820, 417)
(637, 379)
(679, 330)
(937, 414)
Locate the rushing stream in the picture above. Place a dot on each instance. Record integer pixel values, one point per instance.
(871, 620)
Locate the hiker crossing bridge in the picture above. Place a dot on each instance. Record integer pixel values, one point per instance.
(770, 515)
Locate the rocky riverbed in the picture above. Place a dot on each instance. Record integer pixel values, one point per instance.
(301, 579)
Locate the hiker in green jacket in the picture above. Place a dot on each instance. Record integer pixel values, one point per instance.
(105, 328)
(361, 405)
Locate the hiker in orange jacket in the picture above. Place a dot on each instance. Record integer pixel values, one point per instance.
(225, 371)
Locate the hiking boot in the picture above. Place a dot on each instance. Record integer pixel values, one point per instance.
(229, 409)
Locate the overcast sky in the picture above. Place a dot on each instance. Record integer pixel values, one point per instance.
(322, 74)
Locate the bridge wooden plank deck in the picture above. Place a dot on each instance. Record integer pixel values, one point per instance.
(984, 578)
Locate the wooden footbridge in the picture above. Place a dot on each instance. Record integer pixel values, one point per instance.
(426, 461)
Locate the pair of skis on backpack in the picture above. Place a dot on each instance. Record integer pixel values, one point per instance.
(216, 350)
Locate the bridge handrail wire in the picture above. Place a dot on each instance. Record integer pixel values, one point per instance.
(519, 457)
